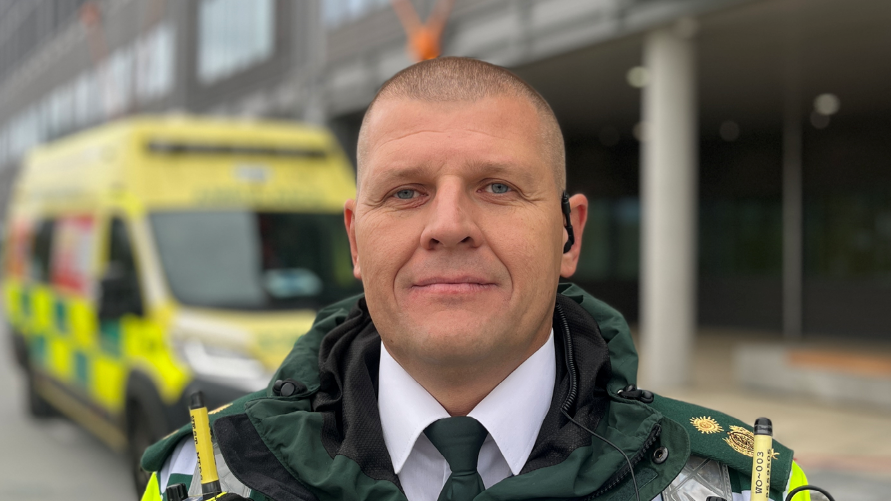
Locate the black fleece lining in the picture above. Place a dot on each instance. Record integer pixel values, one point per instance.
(253, 463)
(558, 437)
(349, 357)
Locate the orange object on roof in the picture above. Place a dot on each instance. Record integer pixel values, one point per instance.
(424, 39)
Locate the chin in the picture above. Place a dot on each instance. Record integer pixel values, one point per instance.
(448, 335)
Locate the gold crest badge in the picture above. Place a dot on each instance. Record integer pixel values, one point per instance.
(706, 425)
(743, 441)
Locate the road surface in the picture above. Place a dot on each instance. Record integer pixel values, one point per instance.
(54, 459)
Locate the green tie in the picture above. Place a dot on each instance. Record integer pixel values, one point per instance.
(459, 439)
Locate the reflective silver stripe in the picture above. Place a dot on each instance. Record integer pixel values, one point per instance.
(700, 479)
(181, 461)
(227, 480)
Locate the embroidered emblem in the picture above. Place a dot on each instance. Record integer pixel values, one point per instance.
(743, 441)
(218, 409)
(706, 425)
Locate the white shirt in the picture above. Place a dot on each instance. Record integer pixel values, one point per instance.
(512, 414)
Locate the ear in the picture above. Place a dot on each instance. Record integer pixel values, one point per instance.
(349, 220)
(579, 205)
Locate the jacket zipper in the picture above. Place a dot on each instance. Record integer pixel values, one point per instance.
(620, 475)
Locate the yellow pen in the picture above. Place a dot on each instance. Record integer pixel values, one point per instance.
(207, 464)
(761, 459)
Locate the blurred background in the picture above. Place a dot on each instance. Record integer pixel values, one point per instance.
(736, 153)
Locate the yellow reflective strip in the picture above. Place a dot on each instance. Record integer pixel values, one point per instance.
(42, 309)
(82, 320)
(13, 295)
(109, 382)
(59, 358)
(152, 490)
(796, 479)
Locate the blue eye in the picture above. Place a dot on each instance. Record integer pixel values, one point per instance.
(499, 188)
(405, 194)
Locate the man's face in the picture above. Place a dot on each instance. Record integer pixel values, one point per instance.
(456, 232)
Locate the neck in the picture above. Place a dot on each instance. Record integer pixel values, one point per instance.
(459, 388)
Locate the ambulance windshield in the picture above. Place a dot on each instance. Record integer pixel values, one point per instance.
(246, 260)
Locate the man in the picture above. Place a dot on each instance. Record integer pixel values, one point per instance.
(466, 371)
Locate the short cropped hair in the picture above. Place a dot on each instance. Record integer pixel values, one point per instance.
(451, 79)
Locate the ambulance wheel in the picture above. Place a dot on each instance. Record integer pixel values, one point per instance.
(140, 435)
(38, 407)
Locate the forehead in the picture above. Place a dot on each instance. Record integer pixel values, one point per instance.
(501, 131)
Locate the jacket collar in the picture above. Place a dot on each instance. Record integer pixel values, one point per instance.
(315, 444)
(302, 363)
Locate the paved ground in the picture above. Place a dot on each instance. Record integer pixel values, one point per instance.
(846, 450)
(51, 460)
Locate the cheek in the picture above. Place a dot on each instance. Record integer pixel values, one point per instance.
(527, 248)
(384, 244)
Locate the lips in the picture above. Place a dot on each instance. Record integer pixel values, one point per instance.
(463, 279)
(456, 284)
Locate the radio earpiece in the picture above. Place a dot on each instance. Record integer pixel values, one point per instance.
(567, 211)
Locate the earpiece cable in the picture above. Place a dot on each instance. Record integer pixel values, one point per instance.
(573, 392)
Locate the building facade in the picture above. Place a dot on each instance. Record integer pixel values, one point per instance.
(752, 135)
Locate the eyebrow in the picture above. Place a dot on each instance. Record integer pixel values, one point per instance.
(415, 171)
(495, 168)
(409, 172)
(524, 179)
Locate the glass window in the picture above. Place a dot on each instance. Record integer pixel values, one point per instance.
(25, 131)
(61, 112)
(118, 85)
(154, 56)
(337, 12)
(848, 236)
(4, 145)
(233, 35)
(73, 254)
(119, 293)
(120, 252)
(611, 241)
(254, 260)
(65, 111)
(741, 237)
(41, 251)
(594, 259)
(86, 99)
(44, 113)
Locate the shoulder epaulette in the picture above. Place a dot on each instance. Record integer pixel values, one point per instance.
(153, 458)
(717, 436)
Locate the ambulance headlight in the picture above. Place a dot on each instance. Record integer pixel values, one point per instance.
(223, 365)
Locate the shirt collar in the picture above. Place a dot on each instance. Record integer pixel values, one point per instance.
(405, 407)
(512, 412)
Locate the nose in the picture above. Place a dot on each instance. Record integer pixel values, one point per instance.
(451, 222)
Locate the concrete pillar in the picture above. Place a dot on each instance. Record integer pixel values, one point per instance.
(314, 49)
(793, 215)
(669, 198)
(793, 210)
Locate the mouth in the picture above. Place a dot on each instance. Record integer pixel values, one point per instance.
(453, 285)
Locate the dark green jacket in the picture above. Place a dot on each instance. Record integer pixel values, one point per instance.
(325, 442)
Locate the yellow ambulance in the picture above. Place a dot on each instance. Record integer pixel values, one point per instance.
(155, 256)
